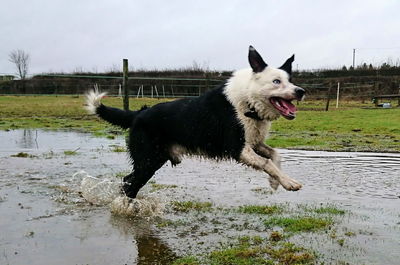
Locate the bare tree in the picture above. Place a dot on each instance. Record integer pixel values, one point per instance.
(21, 60)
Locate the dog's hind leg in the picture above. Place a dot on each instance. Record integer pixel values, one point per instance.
(251, 158)
(137, 179)
(148, 156)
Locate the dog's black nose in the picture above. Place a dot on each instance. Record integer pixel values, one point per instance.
(299, 92)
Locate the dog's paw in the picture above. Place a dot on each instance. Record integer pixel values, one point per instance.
(291, 184)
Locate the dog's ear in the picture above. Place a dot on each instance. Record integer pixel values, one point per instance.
(287, 66)
(256, 61)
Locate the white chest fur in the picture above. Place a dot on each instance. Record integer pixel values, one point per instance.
(255, 131)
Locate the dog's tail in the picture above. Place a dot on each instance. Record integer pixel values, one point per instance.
(112, 115)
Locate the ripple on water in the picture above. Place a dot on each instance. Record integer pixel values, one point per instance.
(373, 175)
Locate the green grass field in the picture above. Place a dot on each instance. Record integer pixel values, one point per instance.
(352, 127)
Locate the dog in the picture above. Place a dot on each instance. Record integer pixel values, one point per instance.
(230, 121)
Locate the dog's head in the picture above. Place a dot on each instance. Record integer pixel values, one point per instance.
(273, 86)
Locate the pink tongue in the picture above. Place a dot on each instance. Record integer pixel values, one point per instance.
(290, 108)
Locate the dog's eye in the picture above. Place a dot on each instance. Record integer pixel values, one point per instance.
(276, 81)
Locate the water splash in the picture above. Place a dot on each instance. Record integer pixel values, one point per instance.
(105, 191)
(98, 191)
(141, 207)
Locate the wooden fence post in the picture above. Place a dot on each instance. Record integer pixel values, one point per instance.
(125, 84)
(398, 99)
(328, 97)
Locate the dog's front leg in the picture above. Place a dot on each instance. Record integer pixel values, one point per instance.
(269, 153)
(251, 158)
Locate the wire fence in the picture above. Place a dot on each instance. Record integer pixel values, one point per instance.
(137, 86)
(176, 87)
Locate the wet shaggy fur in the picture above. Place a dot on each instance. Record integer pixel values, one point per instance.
(228, 122)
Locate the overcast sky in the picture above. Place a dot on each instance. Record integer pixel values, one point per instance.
(94, 35)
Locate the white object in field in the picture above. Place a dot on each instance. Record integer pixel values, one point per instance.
(337, 95)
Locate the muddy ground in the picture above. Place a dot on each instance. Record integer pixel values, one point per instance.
(56, 189)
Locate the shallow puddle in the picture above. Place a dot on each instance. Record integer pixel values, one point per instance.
(56, 189)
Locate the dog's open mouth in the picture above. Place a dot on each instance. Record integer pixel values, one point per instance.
(285, 107)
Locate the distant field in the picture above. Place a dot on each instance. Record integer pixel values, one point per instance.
(354, 126)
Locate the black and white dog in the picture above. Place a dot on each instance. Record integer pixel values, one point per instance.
(229, 122)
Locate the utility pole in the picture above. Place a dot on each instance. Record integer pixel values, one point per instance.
(125, 83)
(354, 58)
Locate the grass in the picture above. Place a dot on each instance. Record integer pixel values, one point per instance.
(170, 223)
(344, 129)
(189, 260)
(352, 127)
(70, 152)
(157, 186)
(60, 106)
(330, 210)
(276, 236)
(23, 155)
(275, 248)
(258, 209)
(241, 255)
(349, 234)
(289, 253)
(59, 112)
(118, 149)
(341, 242)
(253, 251)
(121, 174)
(186, 206)
(299, 223)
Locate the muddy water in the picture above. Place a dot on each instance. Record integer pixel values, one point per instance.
(53, 209)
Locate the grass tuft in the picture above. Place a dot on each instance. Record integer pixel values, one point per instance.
(23, 155)
(157, 186)
(186, 206)
(341, 242)
(261, 252)
(70, 152)
(257, 209)
(332, 210)
(299, 224)
(241, 255)
(289, 253)
(275, 236)
(170, 223)
(118, 149)
(349, 233)
(189, 260)
(254, 251)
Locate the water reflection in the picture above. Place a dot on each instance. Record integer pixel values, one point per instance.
(28, 139)
(40, 140)
(151, 249)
